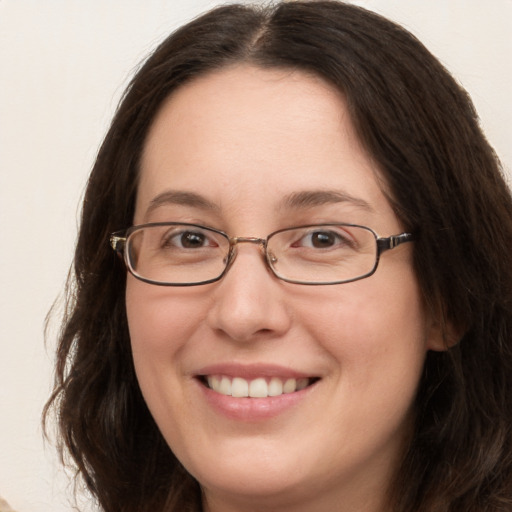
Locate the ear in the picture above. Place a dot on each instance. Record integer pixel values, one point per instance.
(442, 334)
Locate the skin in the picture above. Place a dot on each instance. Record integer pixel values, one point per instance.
(244, 138)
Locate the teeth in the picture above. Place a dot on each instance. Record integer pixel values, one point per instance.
(257, 388)
(239, 387)
(225, 386)
(275, 387)
(290, 386)
(302, 383)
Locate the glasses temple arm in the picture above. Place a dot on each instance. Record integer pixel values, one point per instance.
(117, 242)
(385, 244)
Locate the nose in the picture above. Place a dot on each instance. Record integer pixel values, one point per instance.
(249, 302)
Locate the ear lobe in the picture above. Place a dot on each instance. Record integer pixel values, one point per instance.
(443, 335)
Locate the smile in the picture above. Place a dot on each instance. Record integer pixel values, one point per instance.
(260, 387)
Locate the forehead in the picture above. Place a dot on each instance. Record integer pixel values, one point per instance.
(235, 110)
(243, 133)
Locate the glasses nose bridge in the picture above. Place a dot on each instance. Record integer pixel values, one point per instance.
(234, 241)
(262, 242)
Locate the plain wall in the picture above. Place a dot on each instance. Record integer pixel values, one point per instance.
(64, 64)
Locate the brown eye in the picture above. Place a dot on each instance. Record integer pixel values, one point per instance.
(187, 240)
(191, 240)
(322, 239)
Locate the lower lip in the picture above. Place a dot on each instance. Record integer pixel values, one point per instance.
(253, 409)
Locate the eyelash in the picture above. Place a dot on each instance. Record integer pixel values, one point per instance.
(167, 240)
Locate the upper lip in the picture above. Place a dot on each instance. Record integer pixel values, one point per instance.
(252, 371)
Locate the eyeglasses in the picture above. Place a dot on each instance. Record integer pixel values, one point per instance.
(174, 254)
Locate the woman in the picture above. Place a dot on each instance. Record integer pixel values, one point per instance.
(359, 358)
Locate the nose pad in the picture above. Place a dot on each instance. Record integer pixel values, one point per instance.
(229, 258)
(271, 258)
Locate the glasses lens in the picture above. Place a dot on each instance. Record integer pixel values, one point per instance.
(323, 254)
(177, 253)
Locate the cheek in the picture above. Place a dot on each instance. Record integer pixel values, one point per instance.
(159, 322)
(376, 334)
(159, 326)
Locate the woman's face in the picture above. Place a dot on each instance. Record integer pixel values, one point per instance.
(243, 144)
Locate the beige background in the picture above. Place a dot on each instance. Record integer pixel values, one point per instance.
(63, 67)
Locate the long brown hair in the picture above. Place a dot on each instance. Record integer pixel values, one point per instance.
(445, 184)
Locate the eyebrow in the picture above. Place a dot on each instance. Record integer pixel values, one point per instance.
(310, 199)
(295, 201)
(182, 198)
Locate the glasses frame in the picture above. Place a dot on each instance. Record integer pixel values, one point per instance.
(119, 239)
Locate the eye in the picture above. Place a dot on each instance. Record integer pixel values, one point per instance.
(188, 240)
(322, 239)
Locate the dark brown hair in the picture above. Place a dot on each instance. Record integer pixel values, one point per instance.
(445, 185)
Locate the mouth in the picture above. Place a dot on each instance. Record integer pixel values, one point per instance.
(260, 387)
